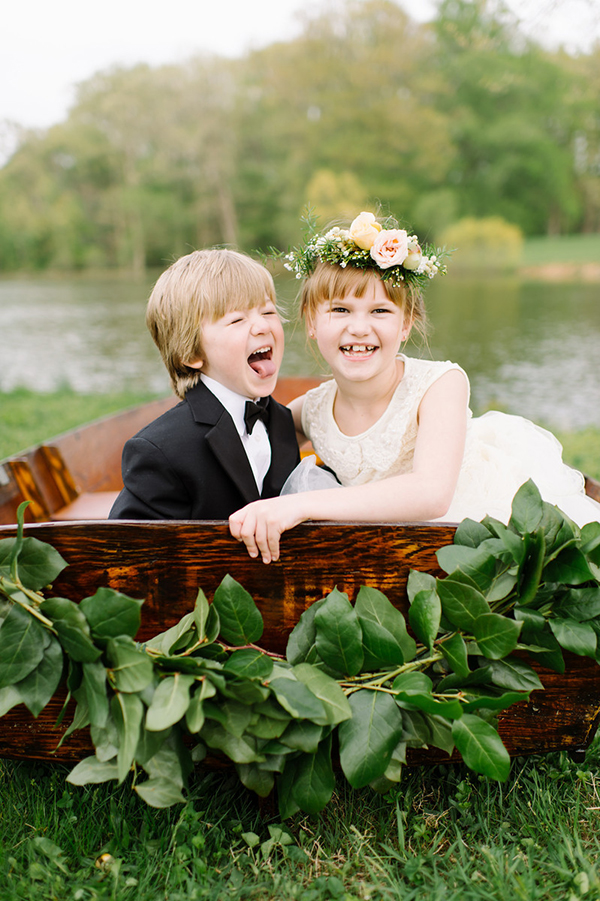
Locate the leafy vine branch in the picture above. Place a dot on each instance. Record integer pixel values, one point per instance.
(352, 673)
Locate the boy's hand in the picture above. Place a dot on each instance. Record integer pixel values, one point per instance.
(260, 524)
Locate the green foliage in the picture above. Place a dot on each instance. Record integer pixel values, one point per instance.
(365, 107)
(489, 244)
(531, 586)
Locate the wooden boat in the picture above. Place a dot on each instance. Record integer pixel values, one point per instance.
(71, 482)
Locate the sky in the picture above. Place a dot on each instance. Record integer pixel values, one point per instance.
(48, 46)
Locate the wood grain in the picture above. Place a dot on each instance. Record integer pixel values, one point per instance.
(166, 563)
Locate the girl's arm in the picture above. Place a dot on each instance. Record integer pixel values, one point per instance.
(423, 494)
(296, 406)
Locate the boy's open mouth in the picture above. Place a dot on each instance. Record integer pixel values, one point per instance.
(261, 361)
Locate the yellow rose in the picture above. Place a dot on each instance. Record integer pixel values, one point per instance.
(364, 230)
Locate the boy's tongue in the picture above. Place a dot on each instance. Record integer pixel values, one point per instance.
(263, 365)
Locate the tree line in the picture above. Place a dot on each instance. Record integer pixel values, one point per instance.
(365, 109)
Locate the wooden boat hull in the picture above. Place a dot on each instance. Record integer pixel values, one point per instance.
(71, 482)
(166, 563)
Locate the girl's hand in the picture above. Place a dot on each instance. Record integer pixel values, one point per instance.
(260, 524)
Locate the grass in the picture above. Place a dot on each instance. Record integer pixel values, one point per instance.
(441, 834)
(561, 248)
(26, 418)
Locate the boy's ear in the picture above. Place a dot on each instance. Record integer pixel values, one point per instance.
(195, 364)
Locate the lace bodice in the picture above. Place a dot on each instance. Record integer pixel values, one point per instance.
(387, 447)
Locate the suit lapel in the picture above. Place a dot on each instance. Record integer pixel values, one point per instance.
(285, 455)
(223, 439)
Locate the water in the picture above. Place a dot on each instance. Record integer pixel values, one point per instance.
(529, 348)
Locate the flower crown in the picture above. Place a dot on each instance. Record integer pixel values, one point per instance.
(392, 252)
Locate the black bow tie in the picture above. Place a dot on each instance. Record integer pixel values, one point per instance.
(254, 412)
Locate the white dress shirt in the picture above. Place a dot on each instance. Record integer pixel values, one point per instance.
(256, 445)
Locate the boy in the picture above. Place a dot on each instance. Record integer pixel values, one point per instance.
(213, 317)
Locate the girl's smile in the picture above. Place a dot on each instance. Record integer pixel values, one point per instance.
(359, 337)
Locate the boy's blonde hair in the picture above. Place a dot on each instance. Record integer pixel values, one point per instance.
(330, 281)
(201, 287)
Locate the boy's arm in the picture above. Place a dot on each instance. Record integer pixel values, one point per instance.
(152, 489)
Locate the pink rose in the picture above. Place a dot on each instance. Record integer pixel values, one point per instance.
(390, 248)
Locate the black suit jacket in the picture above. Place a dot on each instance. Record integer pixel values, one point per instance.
(190, 462)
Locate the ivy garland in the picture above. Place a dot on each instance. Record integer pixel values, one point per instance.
(353, 673)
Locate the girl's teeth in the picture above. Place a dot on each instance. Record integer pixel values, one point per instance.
(358, 348)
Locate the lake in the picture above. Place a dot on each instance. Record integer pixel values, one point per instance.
(529, 348)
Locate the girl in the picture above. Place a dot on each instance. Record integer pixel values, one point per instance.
(397, 431)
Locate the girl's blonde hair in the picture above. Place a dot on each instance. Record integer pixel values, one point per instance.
(330, 281)
(201, 287)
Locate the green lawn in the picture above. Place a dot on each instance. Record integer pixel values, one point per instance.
(443, 834)
(562, 248)
(27, 418)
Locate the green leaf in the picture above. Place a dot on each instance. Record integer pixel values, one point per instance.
(38, 563)
(259, 781)
(413, 683)
(128, 712)
(314, 780)
(72, 629)
(580, 604)
(106, 740)
(449, 709)
(298, 700)
(94, 681)
(301, 644)
(170, 702)
(240, 618)
(530, 570)
(569, 566)
(239, 749)
(527, 509)
(424, 615)
(462, 603)
(165, 641)
(302, 735)
(250, 663)
(232, 715)
(39, 686)
(579, 638)
(368, 739)
(481, 747)
(333, 699)
(132, 669)
(22, 641)
(454, 650)
(194, 716)
(201, 617)
(496, 635)
(515, 675)
(339, 636)
(417, 582)
(159, 792)
(93, 771)
(110, 613)
(385, 639)
(479, 700)
(9, 698)
(471, 533)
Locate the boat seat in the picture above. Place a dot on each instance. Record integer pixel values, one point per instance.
(88, 505)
